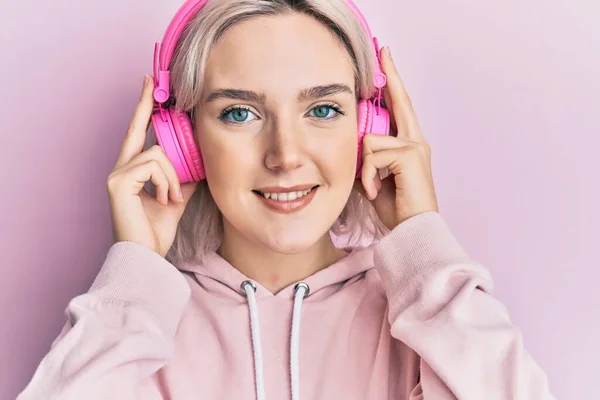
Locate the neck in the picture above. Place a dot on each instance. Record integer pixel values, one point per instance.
(276, 271)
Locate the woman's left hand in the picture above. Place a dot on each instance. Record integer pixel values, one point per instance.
(406, 188)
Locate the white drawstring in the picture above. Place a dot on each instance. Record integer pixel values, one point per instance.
(250, 288)
(301, 290)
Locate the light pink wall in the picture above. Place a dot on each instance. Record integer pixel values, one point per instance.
(507, 93)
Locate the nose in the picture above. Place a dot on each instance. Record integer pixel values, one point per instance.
(284, 149)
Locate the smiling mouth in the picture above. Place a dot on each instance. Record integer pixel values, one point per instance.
(286, 196)
(286, 202)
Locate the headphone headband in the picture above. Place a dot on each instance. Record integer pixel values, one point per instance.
(164, 52)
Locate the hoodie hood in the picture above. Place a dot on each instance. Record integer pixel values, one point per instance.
(219, 277)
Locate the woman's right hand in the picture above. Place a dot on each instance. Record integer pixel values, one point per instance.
(138, 216)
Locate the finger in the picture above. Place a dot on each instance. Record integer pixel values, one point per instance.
(398, 100)
(188, 189)
(359, 187)
(136, 133)
(150, 171)
(373, 143)
(157, 153)
(372, 164)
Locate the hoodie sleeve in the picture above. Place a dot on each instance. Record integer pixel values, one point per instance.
(441, 306)
(118, 334)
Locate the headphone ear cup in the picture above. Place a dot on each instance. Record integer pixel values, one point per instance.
(370, 122)
(187, 142)
(380, 122)
(167, 140)
(364, 125)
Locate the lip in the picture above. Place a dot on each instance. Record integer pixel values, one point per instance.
(290, 206)
(280, 189)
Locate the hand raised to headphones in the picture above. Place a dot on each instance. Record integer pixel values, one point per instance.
(138, 216)
(406, 186)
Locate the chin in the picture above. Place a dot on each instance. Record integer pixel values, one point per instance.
(290, 241)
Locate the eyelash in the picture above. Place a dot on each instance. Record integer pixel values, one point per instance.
(231, 109)
(226, 111)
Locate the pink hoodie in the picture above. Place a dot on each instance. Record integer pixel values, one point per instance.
(411, 317)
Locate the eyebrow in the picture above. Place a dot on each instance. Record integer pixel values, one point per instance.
(312, 93)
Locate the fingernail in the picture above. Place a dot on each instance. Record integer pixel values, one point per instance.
(180, 196)
(389, 52)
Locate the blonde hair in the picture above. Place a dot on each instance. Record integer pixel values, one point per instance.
(201, 227)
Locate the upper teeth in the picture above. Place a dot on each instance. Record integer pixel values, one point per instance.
(286, 196)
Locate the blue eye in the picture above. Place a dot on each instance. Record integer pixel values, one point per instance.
(236, 115)
(324, 111)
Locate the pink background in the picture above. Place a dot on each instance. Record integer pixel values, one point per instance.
(507, 94)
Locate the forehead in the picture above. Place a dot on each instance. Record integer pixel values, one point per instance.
(279, 54)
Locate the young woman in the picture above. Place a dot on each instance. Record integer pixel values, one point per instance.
(255, 285)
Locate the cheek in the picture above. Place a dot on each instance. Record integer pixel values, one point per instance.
(226, 162)
(225, 178)
(223, 155)
(338, 155)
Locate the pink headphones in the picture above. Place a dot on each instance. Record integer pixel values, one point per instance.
(174, 131)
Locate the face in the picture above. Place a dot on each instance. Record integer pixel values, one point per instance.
(278, 117)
